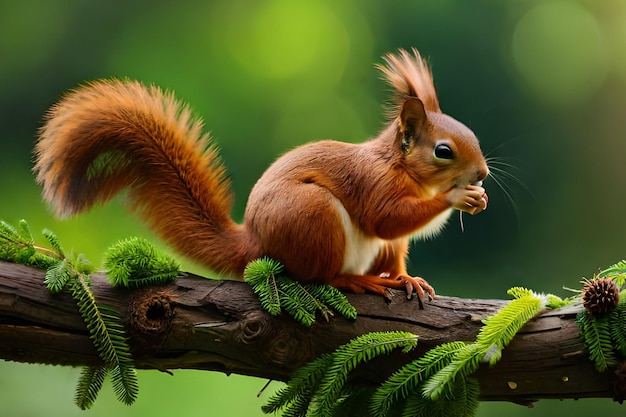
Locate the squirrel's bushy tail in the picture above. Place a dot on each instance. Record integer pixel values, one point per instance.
(110, 135)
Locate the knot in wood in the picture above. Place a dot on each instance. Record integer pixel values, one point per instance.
(151, 312)
(255, 327)
(286, 348)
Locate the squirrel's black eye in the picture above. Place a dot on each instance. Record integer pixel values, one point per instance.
(443, 151)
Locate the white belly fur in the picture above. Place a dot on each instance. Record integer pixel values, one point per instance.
(434, 227)
(361, 251)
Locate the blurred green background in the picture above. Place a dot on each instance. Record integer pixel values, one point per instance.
(542, 84)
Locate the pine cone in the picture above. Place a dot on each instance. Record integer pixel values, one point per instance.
(600, 295)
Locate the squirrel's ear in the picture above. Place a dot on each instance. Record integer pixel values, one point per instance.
(412, 117)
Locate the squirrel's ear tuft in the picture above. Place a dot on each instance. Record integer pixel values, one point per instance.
(409, 75)
(411, 120)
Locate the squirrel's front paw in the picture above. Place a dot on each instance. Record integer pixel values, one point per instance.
(472, 199)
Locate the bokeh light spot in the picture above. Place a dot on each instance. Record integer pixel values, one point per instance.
(618, 45)
(559, 50)
(287, 38)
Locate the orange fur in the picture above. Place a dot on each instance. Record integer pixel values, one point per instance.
(110, 135)
(331, 212)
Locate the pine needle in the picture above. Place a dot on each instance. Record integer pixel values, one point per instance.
(617, 327)
(132, 263)
(596, 334)
(406, 382)
(319, 386)
(108, 337)
(135, 263)
(278, 293)
(465, 362)
(616, 272)
(89, 385)
(502, 327)
(58, 275)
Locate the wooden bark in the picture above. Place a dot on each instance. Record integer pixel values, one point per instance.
(197, 323)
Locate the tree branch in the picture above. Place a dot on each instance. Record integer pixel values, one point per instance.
(196, 323)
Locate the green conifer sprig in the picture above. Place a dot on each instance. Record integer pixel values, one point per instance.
(502, 327)
(554, 302)
(463, 402)
(464, 399)
(297, 395)
(262, 275)
(604, 334)
(465, 362)
(408, 381)
(617, 326)
(494, 336)
(361, 349)
(354, 397)
(550, 301)
(58, 275)
(89, 385)
(82, 265)
(17, 246)
(334, 298)
(299, 303)
(125, 383)
(440, 383)
(596, 333)
(107, 334)
(54, 242)
(615, 272)
(519, 292)
(71, 273)
(135, 262)
(277, 292)
(319, 387)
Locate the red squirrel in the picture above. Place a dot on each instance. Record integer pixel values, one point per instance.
(331, 212)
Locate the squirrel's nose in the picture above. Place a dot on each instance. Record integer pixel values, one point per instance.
(481, 173)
